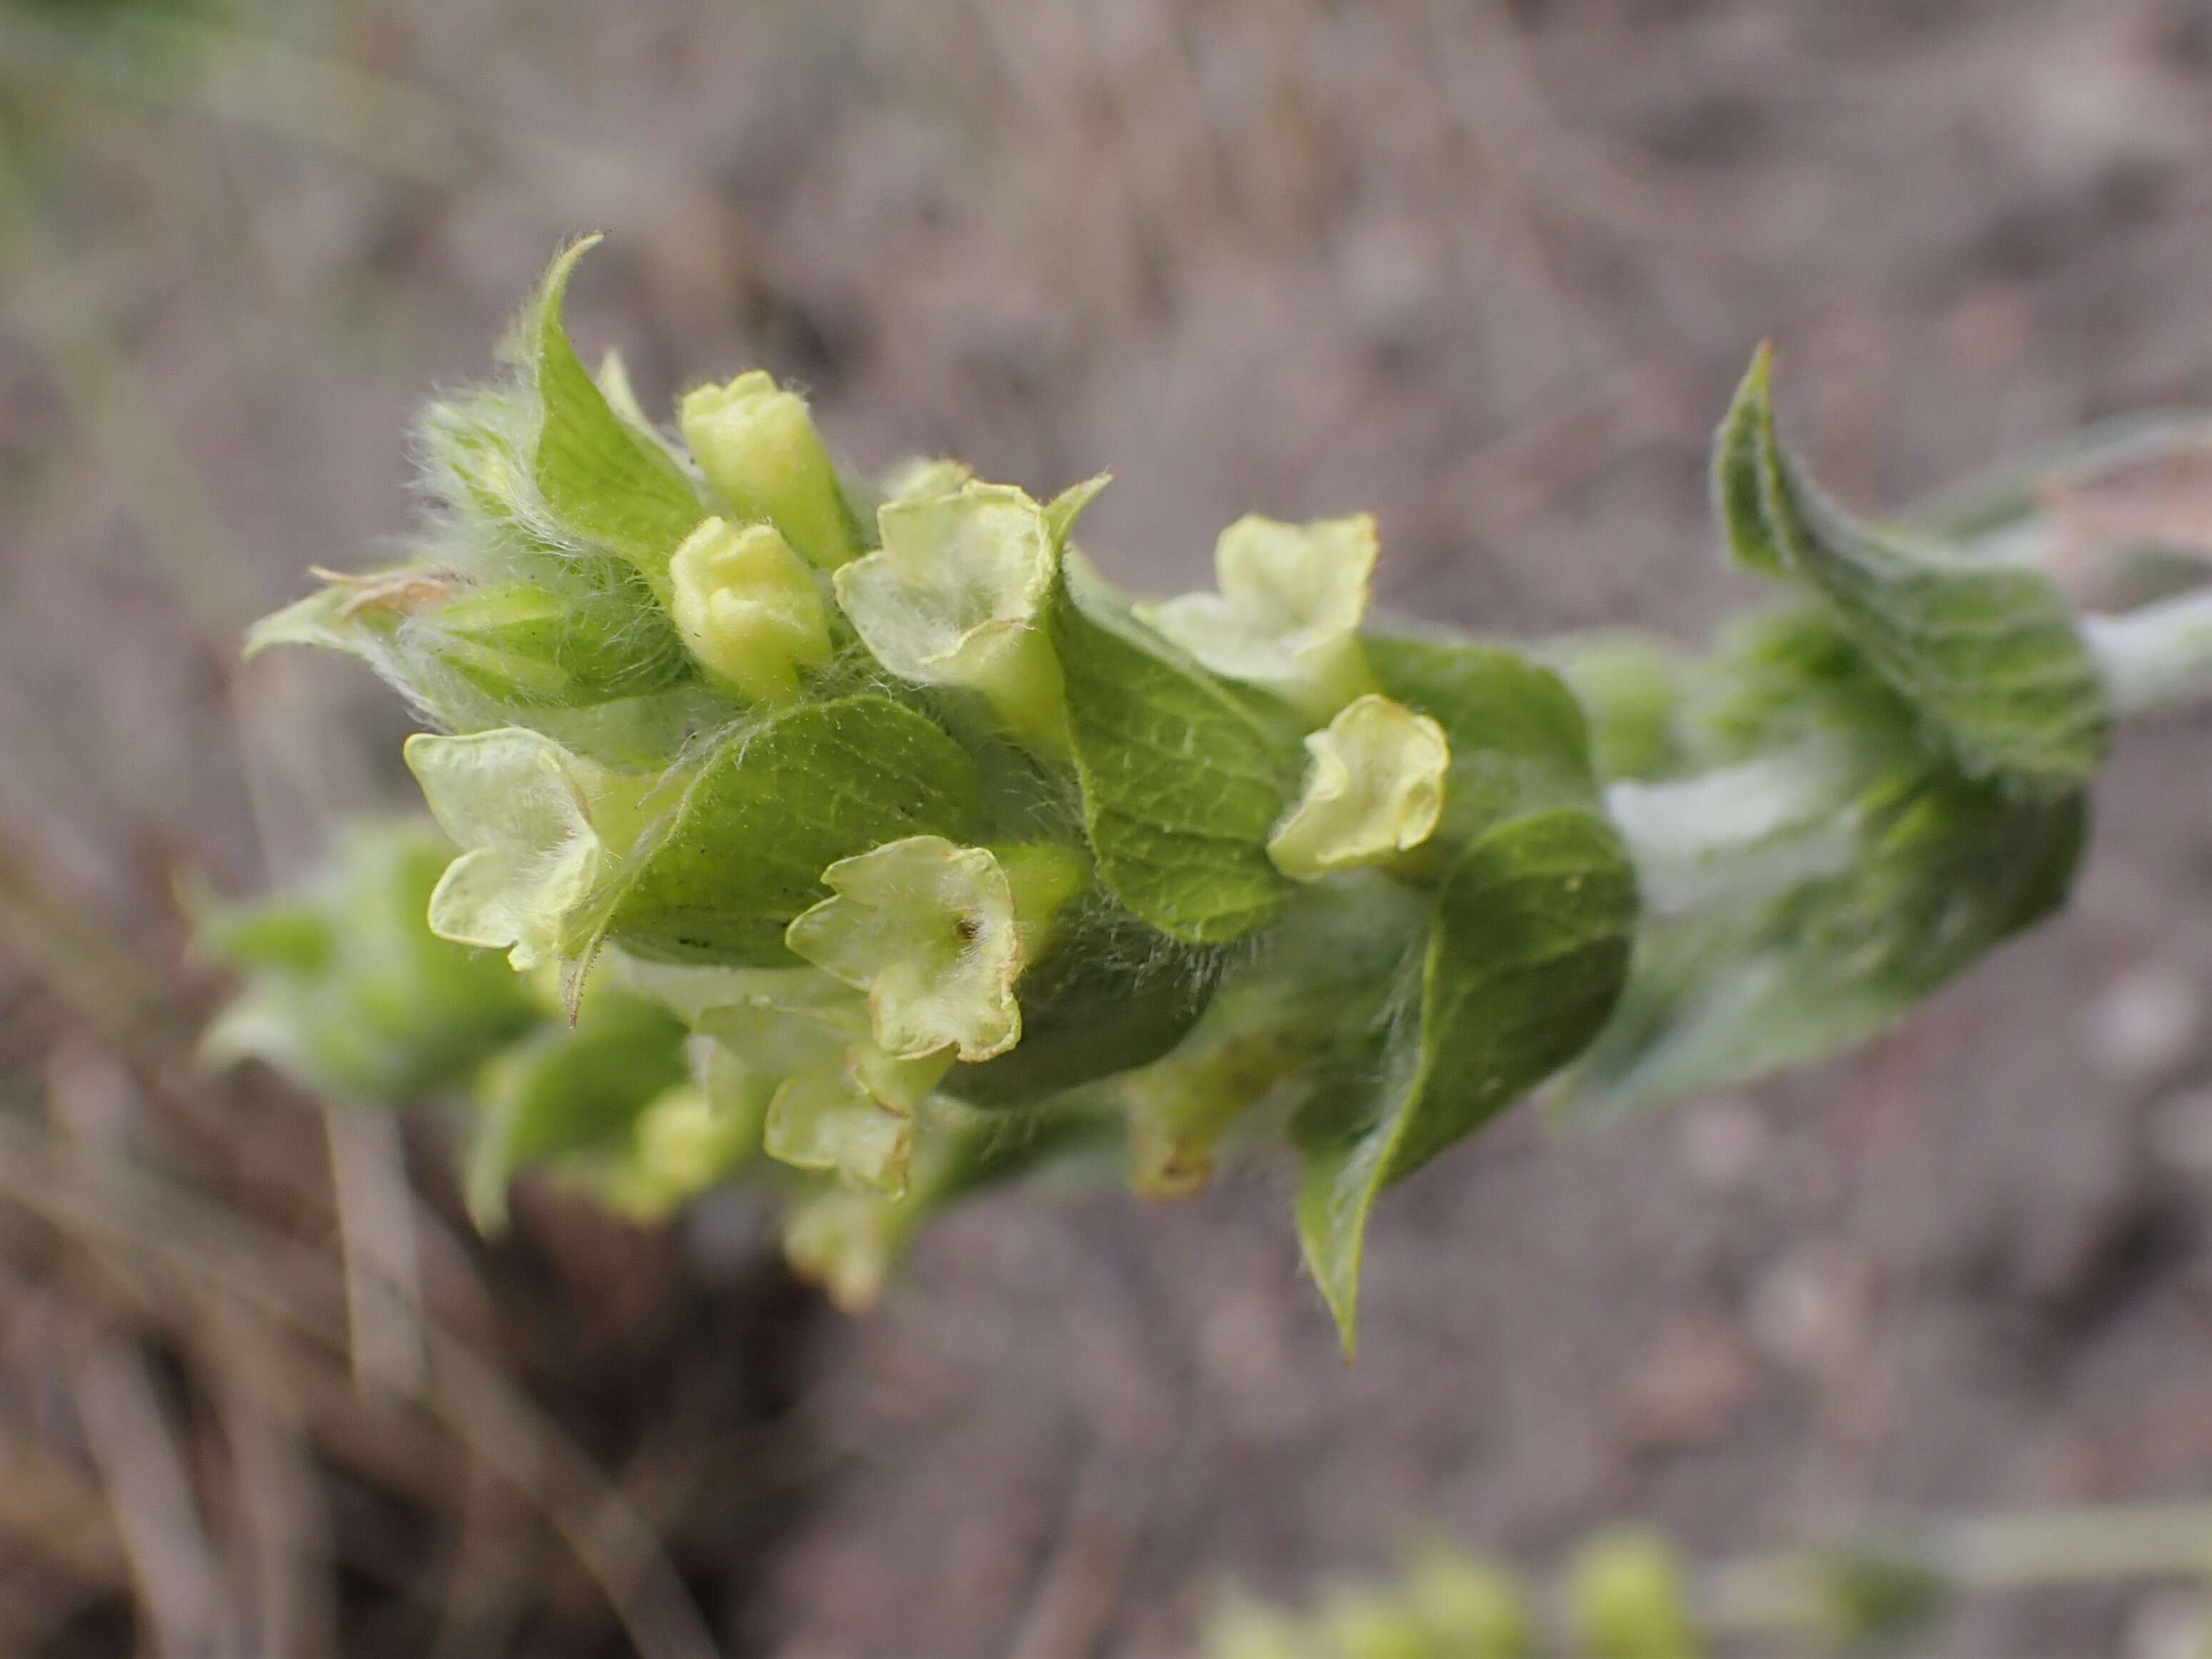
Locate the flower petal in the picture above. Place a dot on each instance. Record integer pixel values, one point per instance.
(1287, 617)
(827, 1121)
(929, 930)
(521, 806)
(1375, 789)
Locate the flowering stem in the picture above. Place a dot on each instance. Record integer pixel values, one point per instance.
(1784, 1590)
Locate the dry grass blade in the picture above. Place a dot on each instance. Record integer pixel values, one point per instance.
(149, 1490)
(48, 1506)
(101, 1202)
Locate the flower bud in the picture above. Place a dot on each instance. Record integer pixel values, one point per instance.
(1375, 789)
(1471, 1608)
(846, 1242)
(759, 447)
(1287, 615)
(1628, 1601)
(748, 609)
(535, 646)
(689, 1137)
(540, 829)
(1361, 1623)
(956, 597)
(927, 929)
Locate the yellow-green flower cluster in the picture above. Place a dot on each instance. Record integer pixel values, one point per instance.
(868, 832)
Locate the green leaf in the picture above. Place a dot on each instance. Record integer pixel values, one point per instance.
(773, 806)
(1519, 742)
(1524, 961)
(1183, 780)
(1934, 871)
(1990, 655)
(1739, 496)
(603, 478)
(1631, 689)
(1107, 997)
(535, 646)
(572, 1088)
(347, 990)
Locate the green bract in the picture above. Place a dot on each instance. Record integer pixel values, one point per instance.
(911, 854)
(607, 483)
(1989, 656)
(1183, 778)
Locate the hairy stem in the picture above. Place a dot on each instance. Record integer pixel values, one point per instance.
(2157, 657)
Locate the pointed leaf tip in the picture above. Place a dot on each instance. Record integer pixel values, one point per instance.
(1738, 501)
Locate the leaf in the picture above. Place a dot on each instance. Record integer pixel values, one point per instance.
(1935, 870)
(569, 1089)
(1183, 780)
(1988, 654)
(535, 646)
(771, 808)
(1739, 497)
(604, 478)
(1061, 511)
(346, 992)
(1524, 960)
(1107, 997)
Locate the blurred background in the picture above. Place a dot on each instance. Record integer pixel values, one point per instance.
(1487, 269)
